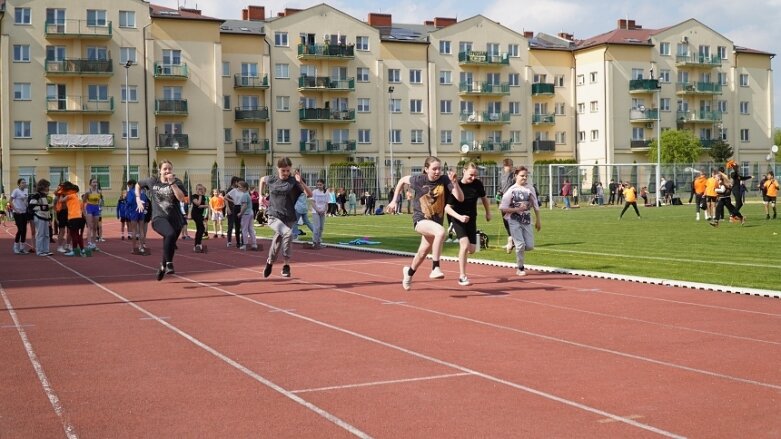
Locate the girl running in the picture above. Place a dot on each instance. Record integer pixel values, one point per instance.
(516, 205)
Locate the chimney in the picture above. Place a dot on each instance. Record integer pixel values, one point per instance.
(622, 24)
(254, 13)
(528, 34)
(291, 11)
(441, 22)
(428, 23)
(192, 11)
(380, 20)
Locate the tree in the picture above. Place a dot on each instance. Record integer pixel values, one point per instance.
(678, 146)
(215, 176)
(720, 151)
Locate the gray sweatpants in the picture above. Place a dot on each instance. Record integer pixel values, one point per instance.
(283, 233)
(41, 235)
(523, 238)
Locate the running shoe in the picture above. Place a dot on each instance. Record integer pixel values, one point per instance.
(464, 281)
(436, 273)
(520, 272)
(267, 270)
(286, 270)
(160, 272)
(406, 281)
(169, 268)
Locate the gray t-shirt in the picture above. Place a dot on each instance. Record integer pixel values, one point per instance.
(282, 197)
(430, 197)
(164, 201)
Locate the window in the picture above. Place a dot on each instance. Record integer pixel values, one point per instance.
(446, 106)
(744, 137)
(22, 16)
(492, 48)
(130, 92)
(283, 103)
(280, 39)
(513, 51)
(539, 78)
(561, 137)
(558, 80)
(721, 106)
(721, 51)
(560, 108)
(445, 77)
(394, 75)
(664, 49)
(723, 135)
(127, 54)
(133, 130)
(444, 47)
(594, 135)
(127, 19)
(362, 74)
(282, 71)
(227, 135)
(493, 78)
(593, 106)
(638, 133)
(446, 137)
(743, 79)
(174, 93)
(97, 53)
(22, 129)
(581, 136)
(249, 102)
(581, 107)
(53, 127)
(362, 43)
(226, 68)
(395, 136)
(515, 108)
(664, 76)
(722, 78)
(226, 103)
(464, 46)
(515, 136)
(637, 73)
(97, 92)
(665, 104)
(581, 79)
(58, 174)
(395, 105)
(592, 77)
(744, 107)
(415, 76)
(249, 70)
(283, 135)
(364, 136)
(99, 127)
(363, 105)
(467, 107)
(415, 105)
(96, 17)
(22, 91)
(416, 136)
(514, 79)
(21, 53)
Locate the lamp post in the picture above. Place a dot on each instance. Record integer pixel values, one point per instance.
(390, 133)
(771, 157)
(658, 139)
(127, 65)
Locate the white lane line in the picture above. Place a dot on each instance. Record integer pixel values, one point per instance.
(59, 410)
(380, 383)
(659, 258)
(235, 364)
(435, 360)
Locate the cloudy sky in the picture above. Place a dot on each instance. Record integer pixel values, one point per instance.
(749, 24)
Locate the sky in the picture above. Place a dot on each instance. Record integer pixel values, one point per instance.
(747, 24)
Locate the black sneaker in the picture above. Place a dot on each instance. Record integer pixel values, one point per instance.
(286, 270)
(169, 268)
(267, 270)
(161, 272)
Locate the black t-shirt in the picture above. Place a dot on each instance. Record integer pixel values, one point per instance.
(282, 197)
(472, 192)
(197, 211)
(163, 200)
(430, 197)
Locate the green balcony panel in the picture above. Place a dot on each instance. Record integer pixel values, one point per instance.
(80, 67)
(639, 144)
(324, 83)
(325, 115)
(173, 141)
(342, 146)
(544, 146)
(251, 114)
(252, 146)
(171, 107)
(240, 81)
(171, 71)
(475, 57)
(75, 29)
(542, 89)
(543, 119)
(313, 51)
(707, 88)
(699, 116)
(79, 104)
(698, 61)
(485, 118)
(643, 114)
(643, 85)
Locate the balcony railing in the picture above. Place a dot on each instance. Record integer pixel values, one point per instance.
(325, 115)
(252, 146)
(698, 116)
(313, 51)
(544, 146)
(324, 83)
(240, 81)
(171, 71)
(475, 57)
(72, 29)
(643, 85)
(489, 145)
(80, 141)
(543, 89)
(643, 114)
(251, 114)
(544, 119)
(171, 107)
(708, 143)
(484, 118)
(329, 147)
(697, 88)
(639, 144)
(173, 141)
(78, 67)
(483, 88)
(79, 104)
(697, 61)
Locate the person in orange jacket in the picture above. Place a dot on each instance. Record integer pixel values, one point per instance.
(771, 192)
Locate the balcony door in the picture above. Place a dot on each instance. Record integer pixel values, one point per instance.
(57, 93)
(55, 18)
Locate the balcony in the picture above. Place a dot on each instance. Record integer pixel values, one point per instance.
(708, 143)
(487, 146)
(482, 58)
(240, 81)
(697, 88)
(543, 89)
(544, 119)
(326, 115)
(75, 29)
(171, 107)
(707, 62)
(79, 104)
(698, 116)
(484, 118)
(330, 147)
(171, 71)
(638, 86)
(326, 51)
(324, 83)
(79, 67)
(638, 145)
(544, 146)
(77, 142)
(252, 146)
(172, 142)
(643, 114)
(251, 114)
(483, 89)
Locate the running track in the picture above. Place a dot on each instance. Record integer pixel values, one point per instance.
(95, 347)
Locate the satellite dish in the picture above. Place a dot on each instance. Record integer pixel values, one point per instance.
(464, 148)
(774, 149)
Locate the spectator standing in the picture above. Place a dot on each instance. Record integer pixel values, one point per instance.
(41, 212)
(612, 188)
(19, 201)
(319, 210)
(566, 192)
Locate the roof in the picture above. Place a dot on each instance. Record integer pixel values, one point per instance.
(409, 33)
(752, 51)
(157, 11)
(243, 27)
(639, 37)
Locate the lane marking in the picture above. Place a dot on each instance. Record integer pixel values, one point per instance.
(54, 400)
(610, 421)
(380, 383)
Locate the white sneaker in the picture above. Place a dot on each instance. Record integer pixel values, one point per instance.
(243, 247)
(61, 249)
(520, 272)
(436, 273)
(464, 281)
(406, 281)
(698, 217)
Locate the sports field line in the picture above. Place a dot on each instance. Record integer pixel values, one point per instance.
(657, 258)
(380, 383)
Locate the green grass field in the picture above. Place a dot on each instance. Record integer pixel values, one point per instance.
(666, 243)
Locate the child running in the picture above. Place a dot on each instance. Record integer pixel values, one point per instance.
(283, 190)
(516, 204)
(431, 191)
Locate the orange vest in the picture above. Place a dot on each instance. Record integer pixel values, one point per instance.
(73, 202)
(710, 187)
(699, 185)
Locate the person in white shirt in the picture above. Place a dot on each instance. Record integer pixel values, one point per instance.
(516, 206)
(319, 210)
(19, 207)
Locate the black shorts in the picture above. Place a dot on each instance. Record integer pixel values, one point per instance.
(711, 199)
(770, 199)
(469, 230)
(62, 217)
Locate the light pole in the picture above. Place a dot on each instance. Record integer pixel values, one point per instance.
(127, 120)
(390, 133)
(771, 157)
(658, 139)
